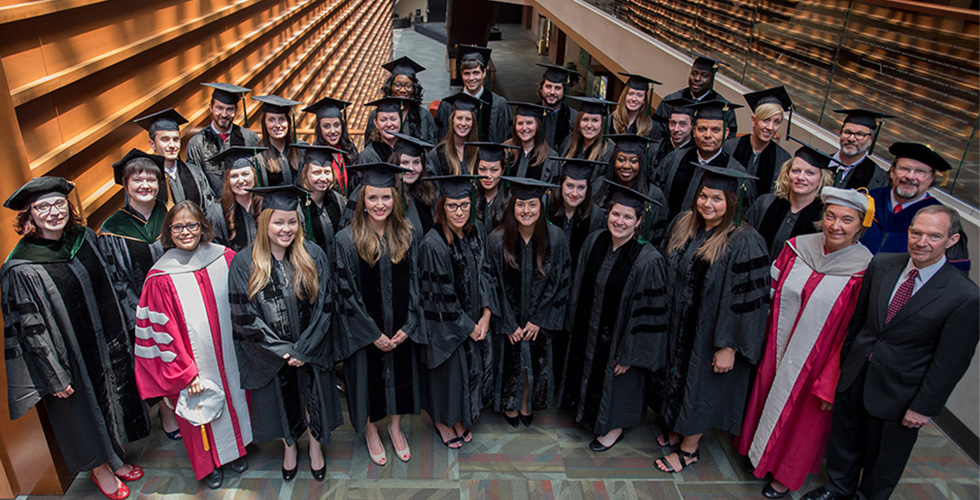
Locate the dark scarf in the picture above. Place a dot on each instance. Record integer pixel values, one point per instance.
(766, 167)
(777, 212)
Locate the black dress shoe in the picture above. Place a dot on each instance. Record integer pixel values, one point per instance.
(526, 419)
(320, 473)
(596, 446)
(822, 493)
(214, 479)
(239, 465)
(289, 474)
(769, 492)
(514, 422)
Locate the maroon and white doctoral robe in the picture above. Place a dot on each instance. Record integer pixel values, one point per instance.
(183, 329)
(784, 431)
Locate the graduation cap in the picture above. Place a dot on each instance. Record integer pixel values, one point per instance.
(328, 107)
(411, 146)
(579, 169)
(280, 197)
(775, 95)
(389, 104)
(638, 82)
(403, 66)
(120, 166)
(455, 186)
(629, 197)
(229, 94)
(490, 151)
(920, 152)
(681, 106)
(715, 109)
(276, 104)
(593, 105)
(318, 155)
(34, 189)
(523, 188)
(630, 143)
(852, 198)
(866, 118)
(464, 102)
(705, 63)
(379, 175)
(168, 119)
(725, 179)
(813, 156)
(555, 73)
(528, 109)
(237, 157)
(473, 53)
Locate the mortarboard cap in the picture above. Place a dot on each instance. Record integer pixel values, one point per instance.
(920, 152)
(280, 197)
(851, 198)
(680, 105)
(555, 73)
(473, 53)
(455, 186)
(726, 179)
(168, 119)
(490, 151)
(630, 143)
(202, 408)
(276, 104)
(34, 189)
(379, 175)
(638, 82)
(133, 154)
(705, 63)
(389, 104)
(403, 66)
(865, 117)
(813, 156)
(237, 157)
(528, 109)
(579, 169)
(409, 145)
(714, 109)
(227, 93)
(464, 102)
(777, 95)
(319, 155)
(629, 197)
(523, 188)
(327, 107)
(593, 105)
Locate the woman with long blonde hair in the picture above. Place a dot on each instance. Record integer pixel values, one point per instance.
(718, 269)
(450, 156)
(633, 115)
(379, 330)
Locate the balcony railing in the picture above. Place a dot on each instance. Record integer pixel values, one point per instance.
(918, 61)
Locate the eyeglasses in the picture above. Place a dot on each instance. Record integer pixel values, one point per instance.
(402, 86)
(192, 228)
(45, 207)
(857, 135)
(452, 207)
(918, 172)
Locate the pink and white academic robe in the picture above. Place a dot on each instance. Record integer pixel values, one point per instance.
(784, 431)
(183, 329)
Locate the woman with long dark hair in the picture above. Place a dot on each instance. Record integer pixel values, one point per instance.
(330, 129)
(588, 135)
(535, 157)
(529, 263)
(492, 161)
(450, 156)
(627, 167)
(387, 119)
(718, 269)
(457, 298)
(379, 331)
(420, 195)
(403, 82)
(234, 226)
(66, 339)
(279, 164)
(281, 295)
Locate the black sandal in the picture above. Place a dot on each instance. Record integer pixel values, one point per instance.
(665, 437)
(448, 442)
(683, 456)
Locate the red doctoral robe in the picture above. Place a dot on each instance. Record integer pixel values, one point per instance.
(183, 329)
(813, 297)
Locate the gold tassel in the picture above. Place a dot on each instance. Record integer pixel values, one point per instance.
(204, 436)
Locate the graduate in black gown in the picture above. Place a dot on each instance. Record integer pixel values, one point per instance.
(281, 296)
(794, 206)
(450, 156)
(718, 269)
(634, 114)
(417, 121)
(420, 194)
(185, 181)
(492, 162)
(627, 167)
(130, 241)
(380, 331)
(758, 151)
(492, 116)
(387, 119)
(700, 88)
(65, 338)
(234, 223)
(330, 129)
(326, 203)
(457, 298)
(535, 156)
(530, 267)
(617, 323)
(587, 139)
(279, 164)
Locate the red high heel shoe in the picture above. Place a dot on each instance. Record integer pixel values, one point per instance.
(119, 494)
(134, 475)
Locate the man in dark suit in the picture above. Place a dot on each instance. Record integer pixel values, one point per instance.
(911, 339)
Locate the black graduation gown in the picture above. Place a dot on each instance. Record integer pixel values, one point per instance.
(420, 216)
(373, 301)
(289, 163)
(774, 220)
(558, 124)
(436, 163)
(491, 213)
(547, 171)
(765, 165)
(244, 228)
(455, 288)
(617, 314)
(525, 295)
(711, 307)
(494, 117)
(426, 126)
(681, 180)
(662, 115)
(207, 143)
(866, 174)
(285, 400)
(189, 183)
(656, 217)
(577, 230)
(584, 153)
(63, 326)
(325, 221)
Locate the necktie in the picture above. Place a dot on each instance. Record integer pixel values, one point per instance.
(902, 295)
(897, 208)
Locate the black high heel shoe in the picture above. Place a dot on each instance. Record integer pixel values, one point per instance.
(289, 474)
(514, 422)
(526, 419)
(320, 473)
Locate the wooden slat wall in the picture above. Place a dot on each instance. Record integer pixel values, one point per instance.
(75, 73)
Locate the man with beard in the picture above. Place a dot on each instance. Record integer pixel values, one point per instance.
(912, 173)
(185, 181)
(222, 133)
(559, 119)
(858, 134)
(700, 88)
